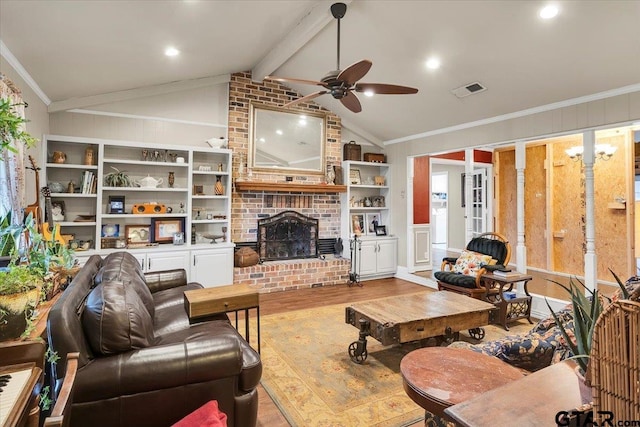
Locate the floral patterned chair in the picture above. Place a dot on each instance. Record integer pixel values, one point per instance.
(484, 253)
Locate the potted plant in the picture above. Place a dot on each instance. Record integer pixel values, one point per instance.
(37, 270)
(20, 293)
(585, 308)
(117, 179)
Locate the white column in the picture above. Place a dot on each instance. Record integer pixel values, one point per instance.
(468, 197)
(590, 258)
(521, 249)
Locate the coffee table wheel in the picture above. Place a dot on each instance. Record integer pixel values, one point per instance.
(357, 353)
(477, 333)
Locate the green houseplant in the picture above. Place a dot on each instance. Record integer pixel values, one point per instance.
(37, 270)
(117, 179)
(11, 128)
(586, 307)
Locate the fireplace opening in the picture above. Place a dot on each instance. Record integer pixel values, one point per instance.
(287, 235)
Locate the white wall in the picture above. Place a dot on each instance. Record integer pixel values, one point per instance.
(184, 118)
(610, 111)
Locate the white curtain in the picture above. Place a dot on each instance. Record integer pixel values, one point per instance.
(12, 172)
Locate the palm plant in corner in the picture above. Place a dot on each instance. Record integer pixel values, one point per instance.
(586, 307)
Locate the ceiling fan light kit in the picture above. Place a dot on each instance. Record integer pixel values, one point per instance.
(342, 84)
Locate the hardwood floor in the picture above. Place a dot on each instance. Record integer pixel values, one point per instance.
(268, 413)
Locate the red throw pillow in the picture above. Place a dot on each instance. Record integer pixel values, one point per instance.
(208, 415)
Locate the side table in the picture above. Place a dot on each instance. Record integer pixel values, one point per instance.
(201, 303)
(438, 377)
(513, 309)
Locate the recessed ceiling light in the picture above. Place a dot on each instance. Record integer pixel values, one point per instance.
(279, 132)
(171, 51)
(262, 140)
(548, 12)
(368, 92)
(433, 63)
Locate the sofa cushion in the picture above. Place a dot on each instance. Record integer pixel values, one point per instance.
(115, 320)
(125, 267)
(470, 263)
(531, 352)
(456, 279)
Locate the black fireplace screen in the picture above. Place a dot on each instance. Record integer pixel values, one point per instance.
(287, 235)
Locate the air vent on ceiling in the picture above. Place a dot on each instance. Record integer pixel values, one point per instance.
(468, 89)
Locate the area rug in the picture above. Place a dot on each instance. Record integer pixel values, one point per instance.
(308, 373)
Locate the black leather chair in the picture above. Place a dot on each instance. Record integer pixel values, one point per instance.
(492, 244)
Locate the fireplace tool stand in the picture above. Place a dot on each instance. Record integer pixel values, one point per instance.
(354, 272)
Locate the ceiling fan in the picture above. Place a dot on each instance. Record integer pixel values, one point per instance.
(342, 83)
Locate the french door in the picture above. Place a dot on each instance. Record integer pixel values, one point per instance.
(479, 208)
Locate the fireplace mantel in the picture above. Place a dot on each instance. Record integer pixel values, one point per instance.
(288, 187)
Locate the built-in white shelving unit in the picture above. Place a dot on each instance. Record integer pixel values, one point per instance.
(202, 210)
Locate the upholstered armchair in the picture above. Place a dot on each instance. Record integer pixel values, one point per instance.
(485, 253)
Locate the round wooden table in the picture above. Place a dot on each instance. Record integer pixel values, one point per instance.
(438, 377)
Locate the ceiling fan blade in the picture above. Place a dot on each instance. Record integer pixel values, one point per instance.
(292, 80)
(305, 98)
(351, 102)
(385, 89)
(355, 72)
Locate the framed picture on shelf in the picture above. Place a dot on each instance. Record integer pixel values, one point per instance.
(372, 220)
(138, 233)
(57, 210)
(381, 230)
(357, 224)
(354, 176)
(162, 230)
(110, 230)
(116, 204)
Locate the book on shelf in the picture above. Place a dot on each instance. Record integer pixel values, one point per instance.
(88, 183)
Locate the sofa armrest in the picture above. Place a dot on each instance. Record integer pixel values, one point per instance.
(495, 267)
(161, 280)
(200, 358)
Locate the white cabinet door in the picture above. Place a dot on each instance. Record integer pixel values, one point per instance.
(213, 267)
(366, 258)
(142, 259)
(167, 261)
(386, 255)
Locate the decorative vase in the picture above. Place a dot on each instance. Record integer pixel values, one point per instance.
(584, 385)
(172, 179)
(88, 156)
(218, 188)
(15, 309)
(59, 157)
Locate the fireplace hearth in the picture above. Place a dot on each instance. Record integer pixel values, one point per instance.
(287, 235)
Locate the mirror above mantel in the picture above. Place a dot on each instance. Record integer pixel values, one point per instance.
(286, 140)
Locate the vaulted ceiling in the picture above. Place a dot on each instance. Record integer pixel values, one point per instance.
(75, 50)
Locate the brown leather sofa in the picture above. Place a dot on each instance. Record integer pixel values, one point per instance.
(141, 363)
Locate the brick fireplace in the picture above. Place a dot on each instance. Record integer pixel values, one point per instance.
(250, 206)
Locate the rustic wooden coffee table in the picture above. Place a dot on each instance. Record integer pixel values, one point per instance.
(401, 319)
